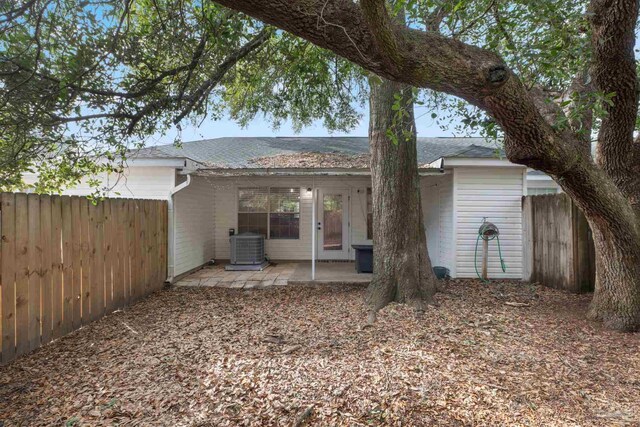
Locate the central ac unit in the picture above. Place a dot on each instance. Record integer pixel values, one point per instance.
(247, 249)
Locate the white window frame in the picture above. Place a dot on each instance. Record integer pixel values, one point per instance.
(268, 236)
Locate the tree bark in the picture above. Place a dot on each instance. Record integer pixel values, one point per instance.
(402, 268)
(616, 300)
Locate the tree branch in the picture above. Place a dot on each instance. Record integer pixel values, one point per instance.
(614, 72)
(192, 100)
(443, 64)
(383, 30)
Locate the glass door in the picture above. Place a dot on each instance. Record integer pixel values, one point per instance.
(333, 224)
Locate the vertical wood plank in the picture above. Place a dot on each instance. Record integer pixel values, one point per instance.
(118, 266)
(97, 264)
(161, 269)
(22, 274)
(87, 257)
(131, 249)
(67, 266)
(144, 236)
(136, 288)
(46, 291)
(155, 263)
(108, 255)
(56, 267)
(163, 241)
(126, 251)
(8, 277)
(35, 271)
(76, 264)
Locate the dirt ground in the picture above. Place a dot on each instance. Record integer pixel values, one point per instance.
(300, 356)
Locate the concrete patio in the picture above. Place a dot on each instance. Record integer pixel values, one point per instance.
(276, 274)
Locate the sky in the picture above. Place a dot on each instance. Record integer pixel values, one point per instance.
(261, 127)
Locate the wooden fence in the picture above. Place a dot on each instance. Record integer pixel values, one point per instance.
(557, 242)
(65, 262)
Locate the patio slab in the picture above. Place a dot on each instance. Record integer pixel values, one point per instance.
(217, 276)
(278, 274)
(328, 273)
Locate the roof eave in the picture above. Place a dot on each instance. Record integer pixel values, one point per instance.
(226, 172)
(452, 162)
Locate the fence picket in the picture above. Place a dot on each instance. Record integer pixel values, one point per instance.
(76, 263)
(35, 271)
(97, 262)
(46, 295)
(8, 277)
(22, 275)
(136, 263)
(67, 266)
(56, 267)
(108, 255)
(87, 259)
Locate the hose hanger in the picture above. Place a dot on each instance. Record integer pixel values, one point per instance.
(487, 232)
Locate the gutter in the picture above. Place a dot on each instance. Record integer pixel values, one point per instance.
(171, 237)
(299, 172)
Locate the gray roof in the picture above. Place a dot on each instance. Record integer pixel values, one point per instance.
(241, 152)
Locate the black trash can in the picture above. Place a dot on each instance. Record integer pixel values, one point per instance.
(364, 258)
(441, 272)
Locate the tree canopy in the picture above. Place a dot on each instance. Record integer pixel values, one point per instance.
(82, 82)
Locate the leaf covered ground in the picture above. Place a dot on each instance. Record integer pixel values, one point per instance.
(502, 354)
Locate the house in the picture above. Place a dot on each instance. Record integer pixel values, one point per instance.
(223, 186)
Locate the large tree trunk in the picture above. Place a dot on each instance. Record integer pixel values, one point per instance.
(402, 268)
(616, 234)
(616, 300)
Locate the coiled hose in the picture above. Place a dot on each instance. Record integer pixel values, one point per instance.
(488, 232)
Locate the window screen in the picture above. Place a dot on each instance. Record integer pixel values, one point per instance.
(284, 213)
(273, 212)
(253, 210)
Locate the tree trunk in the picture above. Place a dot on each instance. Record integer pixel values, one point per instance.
(616, 299)
(402, 268)
(616, 235)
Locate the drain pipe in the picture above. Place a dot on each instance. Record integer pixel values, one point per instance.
(314, 231)
(171, 237)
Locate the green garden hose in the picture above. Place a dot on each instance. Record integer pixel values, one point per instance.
(484, 234)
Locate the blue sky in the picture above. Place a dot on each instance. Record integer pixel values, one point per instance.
(261, 127)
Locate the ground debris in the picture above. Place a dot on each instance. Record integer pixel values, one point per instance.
(313, 159)
(291, 356)
(517, 304)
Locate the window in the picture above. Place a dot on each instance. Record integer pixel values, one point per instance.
(284, 213)
(369, 215)
(253, 210)
(273, 212)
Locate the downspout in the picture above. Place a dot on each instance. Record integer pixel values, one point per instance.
(172, 225)
(313, 231)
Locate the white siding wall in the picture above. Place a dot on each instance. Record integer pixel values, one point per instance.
(194, 219)
(437, 207)
(447, 249)
(226, 212)
(495, 193)
(136, 182)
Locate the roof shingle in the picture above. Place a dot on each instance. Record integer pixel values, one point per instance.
(254, 152)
